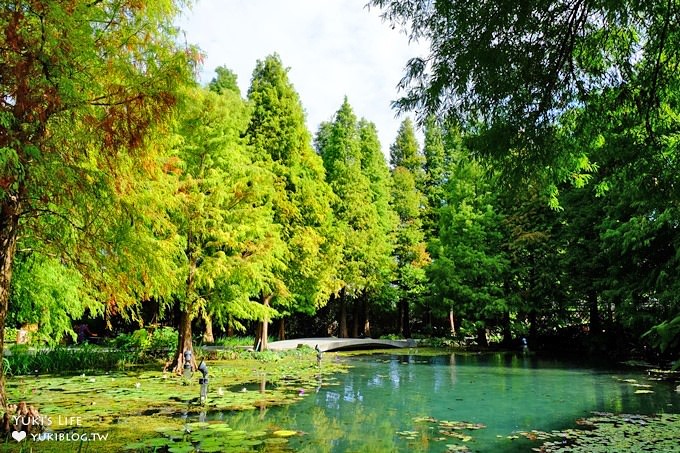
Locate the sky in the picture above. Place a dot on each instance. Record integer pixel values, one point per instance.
(334, 48)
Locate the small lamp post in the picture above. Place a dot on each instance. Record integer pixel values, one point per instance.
(203, 368)
(187, 364)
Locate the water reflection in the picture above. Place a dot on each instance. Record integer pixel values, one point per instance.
(384, 395)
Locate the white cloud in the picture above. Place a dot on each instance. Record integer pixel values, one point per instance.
(332, 47)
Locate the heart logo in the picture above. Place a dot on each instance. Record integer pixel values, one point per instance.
(19, 435)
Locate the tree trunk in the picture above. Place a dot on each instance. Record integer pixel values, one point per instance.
(507, 332)
(185, 340)
(262, 332)
(184, 343)
(364, 316)
(9, 224)
(230, 327)
(533, 325)
(208, 336)
(481, 337)
(343, 316)
(405, 319)
(452, 322)
(355, 318)
(282, 329)
(595, 321)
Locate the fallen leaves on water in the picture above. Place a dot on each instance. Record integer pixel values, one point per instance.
(608, 432)
(425, 420)
(461, 425)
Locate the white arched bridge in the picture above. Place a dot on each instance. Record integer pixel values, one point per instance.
(339, 344)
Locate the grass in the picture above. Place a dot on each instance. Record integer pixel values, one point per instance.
(233, 342)
(22, 360)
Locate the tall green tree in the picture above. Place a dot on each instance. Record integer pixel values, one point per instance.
(405, 151)
(224, 214)
(357, 220)
(82, 84)
(379, 263)
(470, 268)
(435, 176)
(301, 200)
(408, 202)
(630, 236)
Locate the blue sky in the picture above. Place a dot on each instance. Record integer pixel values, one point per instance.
(332, 47)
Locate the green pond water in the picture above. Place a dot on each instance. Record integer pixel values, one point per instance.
(402, 403)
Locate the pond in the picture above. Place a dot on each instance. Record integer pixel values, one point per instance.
(392, 401)
(412, 403)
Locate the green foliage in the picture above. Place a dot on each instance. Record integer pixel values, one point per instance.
(358, 225)
(405, 151)
(234, 341)
(10, 334)
(410, 251)
(520, 68)
(24, 361)
(379, 261)
(46, 293)
(134, 341)
(157, 343)
(301, 200)
(162, 340)
(666, 336)
(470, 265)
(225, 80)
(223, 214)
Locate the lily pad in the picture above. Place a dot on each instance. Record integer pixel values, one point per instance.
(284, 433)
(181, 448)
(275, 441)
(624, 432)
(425, 420)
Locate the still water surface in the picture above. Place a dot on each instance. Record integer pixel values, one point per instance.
(383, 395)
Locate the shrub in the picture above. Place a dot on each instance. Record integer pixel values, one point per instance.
(135, 341)
(158, 344)
(11, 334)
(162, 342)
(61, 359)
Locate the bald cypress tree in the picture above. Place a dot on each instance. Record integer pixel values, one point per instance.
(301, 199)
(84, 84)
(359, 225)
(408, 202)
(223, 215)
(379, 262)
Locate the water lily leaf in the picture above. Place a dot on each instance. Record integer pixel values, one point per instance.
(424, 420)
(157, 442)
(184, 448)
(196, 425)
(284, 433)
(220, 428)
(456, 448)
(275, 441)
